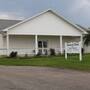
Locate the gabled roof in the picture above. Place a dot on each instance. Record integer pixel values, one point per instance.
(5, 23)
(49, 10)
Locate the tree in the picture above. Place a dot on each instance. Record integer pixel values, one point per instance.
(87, 36)
(87, 39)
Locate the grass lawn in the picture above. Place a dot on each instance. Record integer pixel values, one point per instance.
(51, 61)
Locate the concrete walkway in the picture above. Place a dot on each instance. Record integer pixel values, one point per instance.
(41, 78)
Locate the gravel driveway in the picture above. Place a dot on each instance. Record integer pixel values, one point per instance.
(42, 78)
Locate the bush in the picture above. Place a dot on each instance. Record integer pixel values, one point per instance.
(52, 52)
(82, 50)
(26, 56)
(13, 54)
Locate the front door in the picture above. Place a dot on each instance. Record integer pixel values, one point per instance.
(42, 46)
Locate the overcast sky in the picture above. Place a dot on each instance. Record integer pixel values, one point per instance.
(77, 11)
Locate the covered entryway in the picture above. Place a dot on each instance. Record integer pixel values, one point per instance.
(34, 44)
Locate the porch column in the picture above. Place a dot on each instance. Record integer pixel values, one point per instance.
(7, 38)
(61, 45)
(81, 40)
(36, 44)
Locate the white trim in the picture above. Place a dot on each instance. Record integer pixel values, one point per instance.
(81, 39)
(50, 35)
(65, 50)
(61, 46)
(80, 55)
(49, 10)
(7, 38)
(36, 44)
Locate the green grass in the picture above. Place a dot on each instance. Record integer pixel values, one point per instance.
(52, 61)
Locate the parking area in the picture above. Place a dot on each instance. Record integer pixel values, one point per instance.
(42, 78)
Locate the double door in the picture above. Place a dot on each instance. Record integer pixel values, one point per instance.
(42, 47)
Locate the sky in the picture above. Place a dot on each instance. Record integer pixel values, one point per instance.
(77, 11)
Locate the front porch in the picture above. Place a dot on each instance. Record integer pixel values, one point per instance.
(34, 44)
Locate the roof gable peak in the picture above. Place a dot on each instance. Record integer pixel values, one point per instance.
(48, 10)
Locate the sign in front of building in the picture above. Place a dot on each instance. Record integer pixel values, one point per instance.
(73, 47)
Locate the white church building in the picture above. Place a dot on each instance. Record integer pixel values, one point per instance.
(40, 33)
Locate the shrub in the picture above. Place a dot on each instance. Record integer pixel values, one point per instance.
(26, 55)
(82, 50)
(52, 52)
(13, 54)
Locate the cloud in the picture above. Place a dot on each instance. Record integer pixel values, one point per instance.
(80, 5)
(11, 15)
(79, 12)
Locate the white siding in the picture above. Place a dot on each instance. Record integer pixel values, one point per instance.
(70, 39)
(1, 44)
(1, 41)
(53, 41)
(27, 43)
(22, 42)
(46, 24)
(87, 49)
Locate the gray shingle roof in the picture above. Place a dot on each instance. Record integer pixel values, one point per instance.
(4, 23)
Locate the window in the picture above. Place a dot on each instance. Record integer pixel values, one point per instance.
(42, 44)
(39, 44)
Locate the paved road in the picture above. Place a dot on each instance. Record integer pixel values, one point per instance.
(38, 78)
